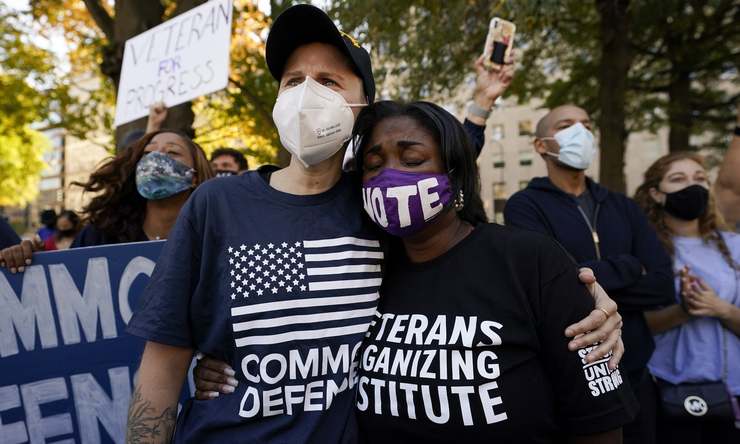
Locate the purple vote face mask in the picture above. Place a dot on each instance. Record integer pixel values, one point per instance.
(403, 203)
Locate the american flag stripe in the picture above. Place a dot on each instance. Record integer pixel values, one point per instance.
(303, 290)
(304, 319)
(349, 254)
(323, 271)
(301, 335)
(340, 285)
(341, 241)
(303, 303)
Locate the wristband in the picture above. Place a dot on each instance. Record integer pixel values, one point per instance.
(477, 111)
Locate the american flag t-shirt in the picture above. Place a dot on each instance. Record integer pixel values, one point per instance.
(302, 290)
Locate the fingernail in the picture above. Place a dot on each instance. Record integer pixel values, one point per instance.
(213, 394)
(232, 381)
(228, 389)
(572, 345)
(568, 332)
(229, 371)
(28, 261)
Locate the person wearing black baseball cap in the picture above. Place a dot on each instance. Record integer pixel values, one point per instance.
(275, 272)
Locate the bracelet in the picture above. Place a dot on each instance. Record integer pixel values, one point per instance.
(477, 111)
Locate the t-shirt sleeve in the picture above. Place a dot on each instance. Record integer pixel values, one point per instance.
(589, 397)
(163, 311)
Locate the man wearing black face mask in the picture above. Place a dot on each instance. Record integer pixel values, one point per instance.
(604, 231)
(228, 162)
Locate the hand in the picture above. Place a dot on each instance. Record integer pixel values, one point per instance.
(490, 85)
(157, 116)
(701, 300)
(18, 256)
(213, 377)
(598, 327)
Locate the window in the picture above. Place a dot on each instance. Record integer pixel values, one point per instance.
(497, 131)
(525, 128)
(499, 164)
(499, 190)
(525, 162)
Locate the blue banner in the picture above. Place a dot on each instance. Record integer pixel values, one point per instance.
(66, 363)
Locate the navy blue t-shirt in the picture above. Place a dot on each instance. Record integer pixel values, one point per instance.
(281, 287)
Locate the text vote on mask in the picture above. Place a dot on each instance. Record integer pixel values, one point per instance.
(374, 202)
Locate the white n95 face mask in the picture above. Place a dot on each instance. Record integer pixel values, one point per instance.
(313, 121)
(577, 148)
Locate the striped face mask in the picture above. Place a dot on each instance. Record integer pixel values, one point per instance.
(158, 176)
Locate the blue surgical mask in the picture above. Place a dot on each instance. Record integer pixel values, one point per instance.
(577, 147)
(158, 176)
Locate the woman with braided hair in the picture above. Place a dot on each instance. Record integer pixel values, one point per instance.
(698, 338)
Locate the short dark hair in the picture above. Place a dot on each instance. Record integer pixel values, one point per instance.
(48, 218)
(237, 155)
(454, 143)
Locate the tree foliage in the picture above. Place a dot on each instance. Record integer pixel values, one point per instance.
(423, 49)
(96, 30)
(28, 95)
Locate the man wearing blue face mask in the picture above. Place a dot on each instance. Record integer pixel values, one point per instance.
(605, 231)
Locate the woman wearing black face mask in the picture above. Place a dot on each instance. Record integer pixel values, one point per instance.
(697, 355)
(67, 227)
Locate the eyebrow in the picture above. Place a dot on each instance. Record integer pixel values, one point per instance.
(570, 120)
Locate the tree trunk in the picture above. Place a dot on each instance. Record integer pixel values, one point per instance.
(679, 112)
(615, 61)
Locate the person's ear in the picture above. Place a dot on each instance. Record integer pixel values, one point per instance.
(657, 196)
(540, 147)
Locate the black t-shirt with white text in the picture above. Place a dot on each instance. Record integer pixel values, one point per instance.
(470, 347)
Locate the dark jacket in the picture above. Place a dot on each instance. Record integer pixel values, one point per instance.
(8, 238)
(623, 250)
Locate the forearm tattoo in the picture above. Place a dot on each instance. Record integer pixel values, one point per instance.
(144, 425)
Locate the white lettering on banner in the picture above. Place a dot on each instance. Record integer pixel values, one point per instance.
(179, 60)
(75, 309)
(35, 395)
(31, 311)
(137, 266)
(92, 309)
(93, 407)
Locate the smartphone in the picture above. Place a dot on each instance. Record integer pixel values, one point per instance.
(498, 43)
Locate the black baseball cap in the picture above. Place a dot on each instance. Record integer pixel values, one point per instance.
(303, 24)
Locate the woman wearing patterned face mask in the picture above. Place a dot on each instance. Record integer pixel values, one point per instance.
(467, 343)
(139, 194)
(697, 354)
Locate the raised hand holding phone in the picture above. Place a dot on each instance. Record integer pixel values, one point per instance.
(499, 42)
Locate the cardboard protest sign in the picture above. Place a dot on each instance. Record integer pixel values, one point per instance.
(179, 60)
(66, 362)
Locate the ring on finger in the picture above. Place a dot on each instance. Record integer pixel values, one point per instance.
(604, 311)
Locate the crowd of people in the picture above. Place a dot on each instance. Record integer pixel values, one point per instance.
(360, 295)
